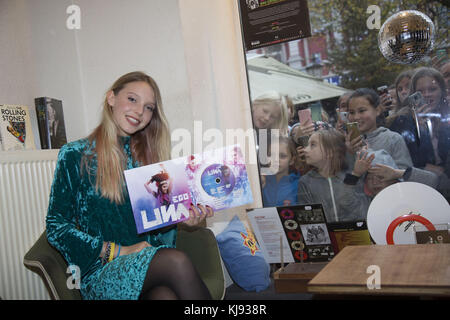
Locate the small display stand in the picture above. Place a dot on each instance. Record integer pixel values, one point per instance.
(295, 276)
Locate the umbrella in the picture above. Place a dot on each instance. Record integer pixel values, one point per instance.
(266, 74)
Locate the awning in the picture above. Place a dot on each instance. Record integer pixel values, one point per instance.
(266, 74)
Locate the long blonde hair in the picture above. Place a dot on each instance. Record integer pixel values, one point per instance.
(149, 145)
(278, 100)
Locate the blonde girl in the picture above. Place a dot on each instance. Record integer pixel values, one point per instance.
(89, 217)
(280, 189)
(270, 111)
(325, 183)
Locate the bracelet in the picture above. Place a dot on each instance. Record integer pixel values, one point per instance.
(118, 251)
(111, 253)
(107, 253)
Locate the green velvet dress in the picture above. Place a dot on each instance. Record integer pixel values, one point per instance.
(79, 220)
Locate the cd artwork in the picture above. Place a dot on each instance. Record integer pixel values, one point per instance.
(406, 37)
(218, 180)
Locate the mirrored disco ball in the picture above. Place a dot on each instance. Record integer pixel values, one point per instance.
(406, 37)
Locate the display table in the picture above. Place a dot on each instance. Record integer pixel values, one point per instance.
(421, 269)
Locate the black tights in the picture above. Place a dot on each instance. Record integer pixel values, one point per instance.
(171, 275)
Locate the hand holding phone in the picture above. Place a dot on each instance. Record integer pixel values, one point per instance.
(343, 116)
(304, 116)
(353, 130)
(415, 100)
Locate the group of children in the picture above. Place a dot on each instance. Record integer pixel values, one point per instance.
(320, 163)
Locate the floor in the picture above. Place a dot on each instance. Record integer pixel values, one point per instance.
(234, 292)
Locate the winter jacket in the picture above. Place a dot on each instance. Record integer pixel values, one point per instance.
(340, 201)
(393, 143)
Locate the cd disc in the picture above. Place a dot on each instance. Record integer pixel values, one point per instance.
(297, 245)
(287, 214)
(290, 224)
(300, 254)
(294, 235)
(218, 180)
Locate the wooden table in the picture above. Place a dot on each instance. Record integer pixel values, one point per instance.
(420, 269)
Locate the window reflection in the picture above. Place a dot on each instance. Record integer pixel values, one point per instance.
(400, 113)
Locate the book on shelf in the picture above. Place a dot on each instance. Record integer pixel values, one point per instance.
(161, 194)
(15, 128)
(50, 118)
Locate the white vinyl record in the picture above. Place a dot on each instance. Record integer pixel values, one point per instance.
(401, 199)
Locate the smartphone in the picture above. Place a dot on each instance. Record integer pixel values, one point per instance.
(415, 100)
(302, 141)
(382, 90)
(304, 116)
(343, 116)
(352, 128)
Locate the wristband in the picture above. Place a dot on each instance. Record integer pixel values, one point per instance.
(118, 251)
(407, 174)
(111, 253)
(107, 252)
(351, 179)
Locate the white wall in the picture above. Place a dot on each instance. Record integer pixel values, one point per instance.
(40, 56)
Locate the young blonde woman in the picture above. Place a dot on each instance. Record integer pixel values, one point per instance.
(89, 217)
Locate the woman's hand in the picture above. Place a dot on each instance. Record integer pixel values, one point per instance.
(301, 152)
(362, 163)
(386, 101)
(197, 214)
(354, 145)
(305, 130)
(386, 173)
(133, 248)
(438, 170)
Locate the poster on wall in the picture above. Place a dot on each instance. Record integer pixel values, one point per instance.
(266, 22)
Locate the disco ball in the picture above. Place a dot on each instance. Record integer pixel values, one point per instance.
(406, 37)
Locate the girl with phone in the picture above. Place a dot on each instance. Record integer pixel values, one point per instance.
(364, 109)
(430, 152)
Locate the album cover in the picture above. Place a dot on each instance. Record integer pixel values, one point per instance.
(161, 193)
(266, 22)
(344, 234)
(15, 128)
(292, 233)
(50, 118)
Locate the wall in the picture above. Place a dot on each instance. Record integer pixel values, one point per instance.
(40, 56)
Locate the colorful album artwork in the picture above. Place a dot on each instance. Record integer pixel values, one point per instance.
(350, 233)
(301, 234)
(292, 233)
(161, 193)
